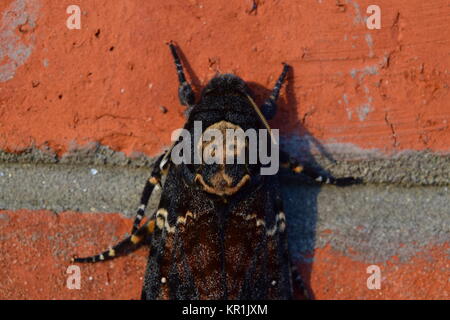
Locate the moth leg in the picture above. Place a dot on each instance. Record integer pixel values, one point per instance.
(124, 247)
(296, 280)
(296, 167)
(150, 185)
(185, 92)
(298, 283)
(269, 107)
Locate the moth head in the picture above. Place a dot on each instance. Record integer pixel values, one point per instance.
(221, 151)
(224, 84)
(230, 84)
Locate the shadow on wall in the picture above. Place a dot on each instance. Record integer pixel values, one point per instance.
(300, 193)
(300, 204)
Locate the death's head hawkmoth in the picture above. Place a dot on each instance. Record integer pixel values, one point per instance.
(219, 231)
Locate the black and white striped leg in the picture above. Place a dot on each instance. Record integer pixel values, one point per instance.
(151, 184)
(296, 167)
(185, 92)
(269, 107)
(131, 243)
(298, 283)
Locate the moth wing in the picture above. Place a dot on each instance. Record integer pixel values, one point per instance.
(256, 249)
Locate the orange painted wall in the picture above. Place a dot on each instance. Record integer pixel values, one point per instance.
(386, 89)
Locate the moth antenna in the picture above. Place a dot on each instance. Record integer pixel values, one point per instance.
(262, 118)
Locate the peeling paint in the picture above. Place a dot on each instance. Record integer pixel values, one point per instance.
(359, 74)
(349, 110)
(369, 41)
(368, 70)
(14, 51)
(358, 16)
(364, 109)
(360, 19)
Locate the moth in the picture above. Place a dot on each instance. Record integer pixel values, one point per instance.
(219, 231)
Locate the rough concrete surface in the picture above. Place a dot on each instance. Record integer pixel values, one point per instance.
(83, 113)
(407, 168)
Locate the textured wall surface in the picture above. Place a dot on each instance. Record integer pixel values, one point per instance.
(385, 89)
(105, 98)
